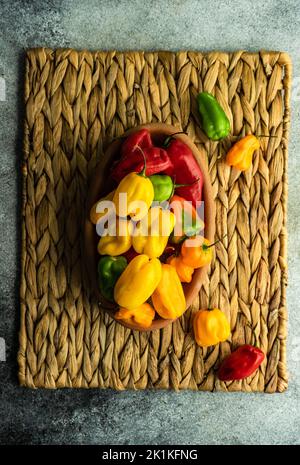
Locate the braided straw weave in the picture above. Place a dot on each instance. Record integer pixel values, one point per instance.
(76, 103)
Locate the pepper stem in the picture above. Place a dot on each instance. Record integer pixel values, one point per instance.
(143, 172)
(169, 138)
(208, 303)
(262, 135)
(175, 186)
(205, 247)
(258, 135)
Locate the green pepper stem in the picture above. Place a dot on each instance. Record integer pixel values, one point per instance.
(208, 303)
(256, 135)
(262, 135)
(143, 172)
(169, 138)
(175, 186)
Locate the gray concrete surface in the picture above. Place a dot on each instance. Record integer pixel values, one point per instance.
(88, 417)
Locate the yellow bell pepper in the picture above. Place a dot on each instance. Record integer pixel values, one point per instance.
(137, 282)
(96, 216)
(152, 232)
(241, 153)
(142, 315)
(139, 192)
(185, 272)
(168, 298)
(120, 242)
(210, 327)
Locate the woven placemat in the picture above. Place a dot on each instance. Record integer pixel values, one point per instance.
(76, 103)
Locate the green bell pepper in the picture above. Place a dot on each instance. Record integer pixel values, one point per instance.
(214, 121)
(163, 186)
(109, 270)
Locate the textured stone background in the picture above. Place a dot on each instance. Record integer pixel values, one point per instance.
(107, 417)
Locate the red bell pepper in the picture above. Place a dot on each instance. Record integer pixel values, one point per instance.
(241, 363)
(141, 138)
(184, 169)
(157, 159)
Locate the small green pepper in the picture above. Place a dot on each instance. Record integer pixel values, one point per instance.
(163, 186)
(109, 270)
(214, 121)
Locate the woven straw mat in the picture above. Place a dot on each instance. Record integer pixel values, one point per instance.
(76, 103)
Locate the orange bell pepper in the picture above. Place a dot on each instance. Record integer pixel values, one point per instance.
(185, 272)
(240, 155)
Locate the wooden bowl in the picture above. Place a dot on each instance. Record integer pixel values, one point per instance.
(101, 184)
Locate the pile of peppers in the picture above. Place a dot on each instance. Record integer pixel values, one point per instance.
(144, 273)
(135, 270)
